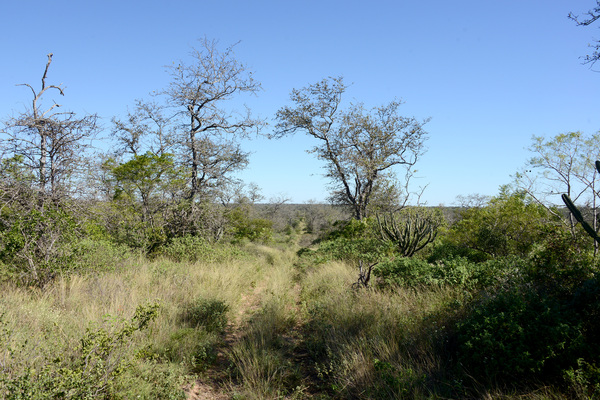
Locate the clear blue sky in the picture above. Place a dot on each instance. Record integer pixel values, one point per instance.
(490, 74)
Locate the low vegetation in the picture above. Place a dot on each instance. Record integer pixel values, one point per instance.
(255, 319)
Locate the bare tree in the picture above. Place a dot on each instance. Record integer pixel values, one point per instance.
(207, 130)
(590, 17)
(145, 129)
(41, 157)
(50, 142)
(473, 200)
(360, 147)
(563, 164)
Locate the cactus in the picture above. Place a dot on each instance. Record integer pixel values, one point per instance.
(578, 216)
(412, 230)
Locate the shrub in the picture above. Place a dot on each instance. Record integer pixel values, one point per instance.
(584, 380)
(354, 250)
(390, 381)
(192, 347)
(36, 240)
(253, 229)
(188, 248)
(443, 249)
(517, 333)
(353, 229)
(454, 271)
(404, 272)
(509, 225)
(197, 249)
(99, 255)
(91, 372)
(208, 313)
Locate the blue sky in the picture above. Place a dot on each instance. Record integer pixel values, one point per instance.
(490, 74)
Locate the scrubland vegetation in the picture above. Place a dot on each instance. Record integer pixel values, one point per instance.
(508, 312)
(156, 274)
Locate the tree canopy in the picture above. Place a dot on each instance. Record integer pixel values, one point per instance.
(360, 146)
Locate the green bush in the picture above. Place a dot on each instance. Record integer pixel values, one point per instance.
(90, 372)
(393, 382)
(352, 229)
(246, 227)
(152, 380)
(443, 249)
(584, 380)
(454, 271)
(188, 248)
(194, 348)
(518, 334)
(99, 255)
(510, 225)
(211, 314)
(197, 249)
(36, 240)
(404, 272)
(369, 250)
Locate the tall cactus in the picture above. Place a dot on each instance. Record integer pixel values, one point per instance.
(412, 230)
(578, 216)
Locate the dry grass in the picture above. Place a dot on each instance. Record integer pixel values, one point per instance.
(291, 334)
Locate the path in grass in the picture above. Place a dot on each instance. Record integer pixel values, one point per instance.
(269, 311)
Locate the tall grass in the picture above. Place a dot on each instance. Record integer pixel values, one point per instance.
(42, 324)
(266, 328)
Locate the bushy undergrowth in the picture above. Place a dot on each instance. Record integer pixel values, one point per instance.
(536, 326)
(370, 344)
(268, 324)
(197, 249)
(453, 272)
(210, 314)
(97, 369)
(99, 255)
(196, 341)
(243, 226)
(44, 344)
(517, 335)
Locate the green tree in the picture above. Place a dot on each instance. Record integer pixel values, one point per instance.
(360, 147)
(145, 186)
(192, 122)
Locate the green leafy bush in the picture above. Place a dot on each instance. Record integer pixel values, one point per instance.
(36, 240)
(354, 250)
(454, 271)
(211, 314)
(352, 229)
(444, 248)
(197, 249)
(195, 348)
(99, 255)
(246, 227)
(90, 372)
(152, 380)
(517, 333)
(510, 224)
(584, 380)
(390, 381)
